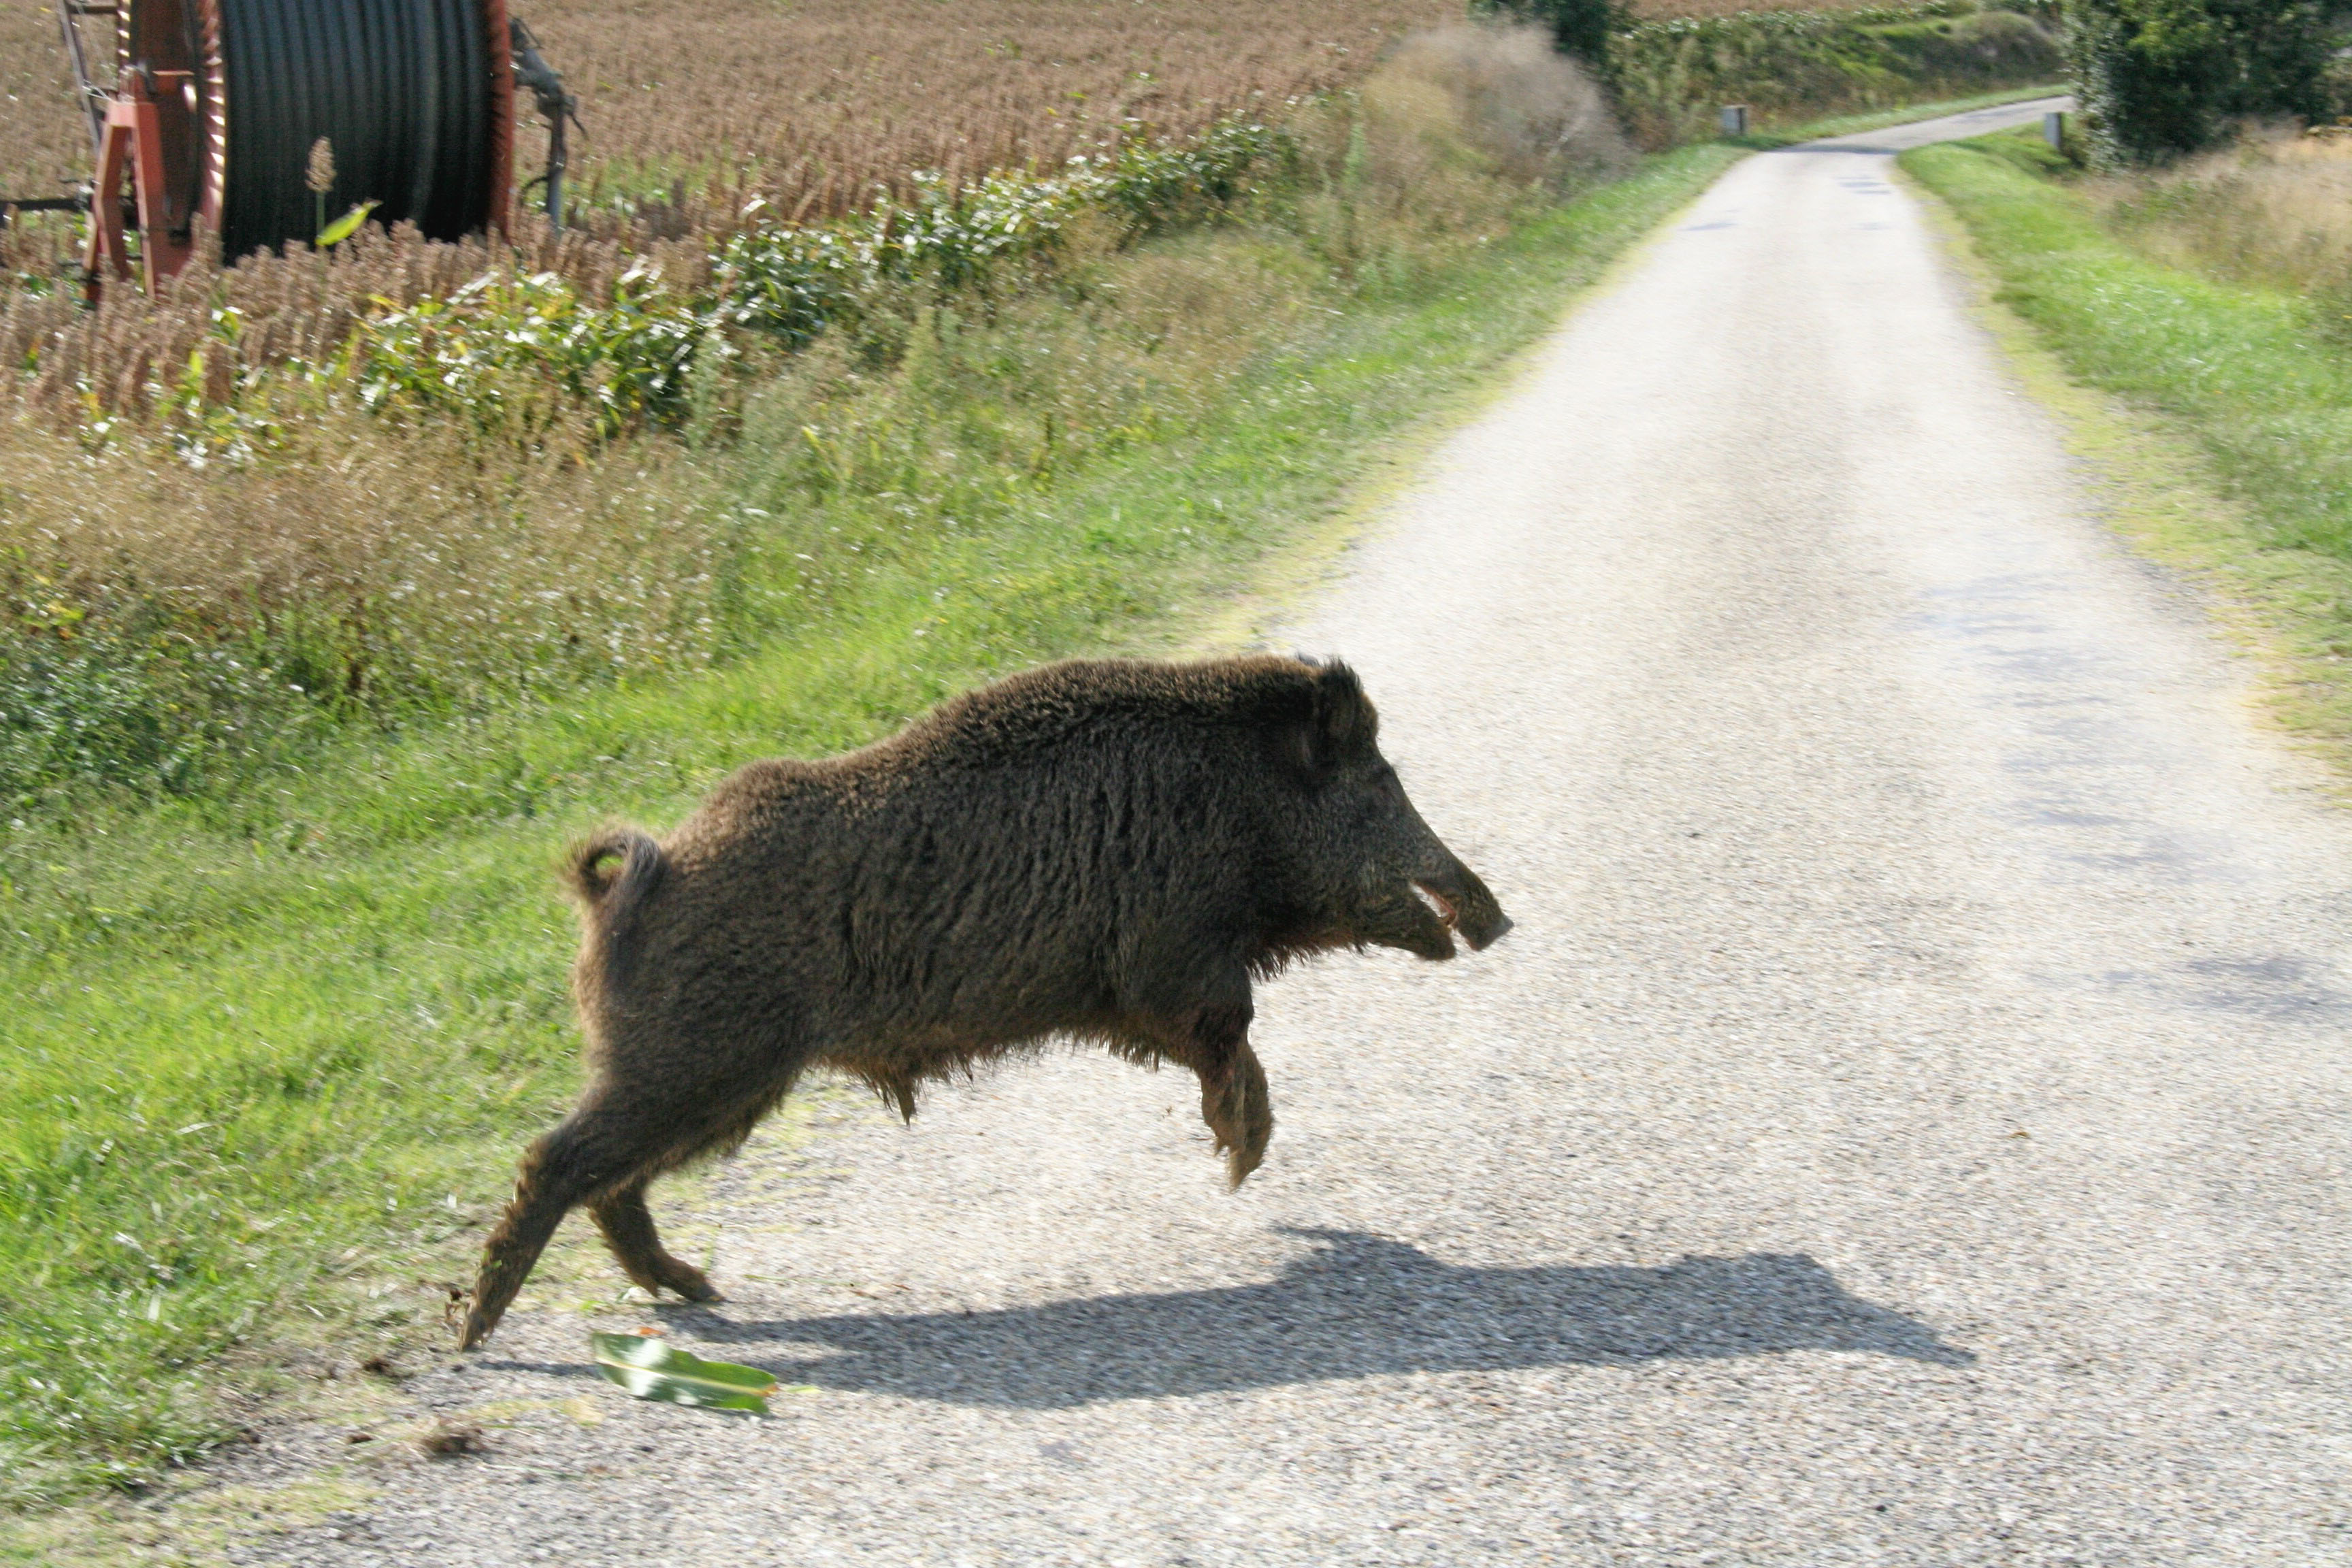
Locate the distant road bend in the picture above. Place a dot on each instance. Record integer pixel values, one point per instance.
(1908, 1125)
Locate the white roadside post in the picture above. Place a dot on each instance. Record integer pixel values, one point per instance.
(1735, 120)
(2054, 130)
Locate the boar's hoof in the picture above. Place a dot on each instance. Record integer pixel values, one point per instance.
(692, 1284)
(1487, 936)
(478, 1325)
(1240, 1112)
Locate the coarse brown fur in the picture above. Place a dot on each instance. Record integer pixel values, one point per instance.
(1098, 850)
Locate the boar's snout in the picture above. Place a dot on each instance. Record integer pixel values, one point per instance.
(1464, 904)
(1398, 884)
(1419, 895)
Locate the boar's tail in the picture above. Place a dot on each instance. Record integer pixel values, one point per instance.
(612, 873)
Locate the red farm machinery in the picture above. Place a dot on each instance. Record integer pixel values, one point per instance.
(249, 120)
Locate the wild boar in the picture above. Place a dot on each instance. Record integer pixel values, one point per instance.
(1105, 851)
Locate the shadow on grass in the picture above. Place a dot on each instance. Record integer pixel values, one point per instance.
(1361, 1307)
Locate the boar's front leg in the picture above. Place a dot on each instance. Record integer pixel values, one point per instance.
(1236, 1105)
(1214, 1041)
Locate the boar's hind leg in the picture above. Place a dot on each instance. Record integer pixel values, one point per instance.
(588, 1151)
(617, 1139)
(628, 1228)
(610, 1143)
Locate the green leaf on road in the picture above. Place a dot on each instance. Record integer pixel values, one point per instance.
(651, 1368)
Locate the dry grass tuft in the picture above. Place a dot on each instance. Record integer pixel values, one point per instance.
(2274, 210)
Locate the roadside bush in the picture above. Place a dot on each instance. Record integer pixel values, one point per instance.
(1518, 110)
(2159, 79)
(2279, 53)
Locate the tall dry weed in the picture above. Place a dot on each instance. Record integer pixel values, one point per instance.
(1461, 130)
(2275, 210)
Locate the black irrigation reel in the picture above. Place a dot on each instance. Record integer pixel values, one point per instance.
(209, 115)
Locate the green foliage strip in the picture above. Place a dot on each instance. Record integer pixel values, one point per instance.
(491, 353)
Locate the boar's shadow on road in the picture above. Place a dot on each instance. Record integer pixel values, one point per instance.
(1359, 1307)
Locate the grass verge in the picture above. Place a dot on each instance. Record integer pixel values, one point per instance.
(271, 1059)
(2226, 423)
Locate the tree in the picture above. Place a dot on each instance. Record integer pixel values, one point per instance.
(2279, 55)
(2148, 74)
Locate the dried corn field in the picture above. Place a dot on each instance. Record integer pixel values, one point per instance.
(44, 143)
(826, 99)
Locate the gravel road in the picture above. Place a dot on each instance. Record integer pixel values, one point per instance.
(1908, 1124)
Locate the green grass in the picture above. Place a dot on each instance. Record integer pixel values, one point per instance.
(2232, 424)
(2246, 369)
(270, 1056)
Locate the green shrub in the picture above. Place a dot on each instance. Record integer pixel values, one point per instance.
(2280, 54)
(2160, 78)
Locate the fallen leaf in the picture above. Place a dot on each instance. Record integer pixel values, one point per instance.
(651, 1368)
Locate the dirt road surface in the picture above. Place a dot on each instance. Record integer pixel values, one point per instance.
(1909, 1124)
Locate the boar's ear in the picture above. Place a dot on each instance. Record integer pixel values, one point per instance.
(1344, 723)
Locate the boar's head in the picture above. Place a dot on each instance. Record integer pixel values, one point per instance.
(1373, 872)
